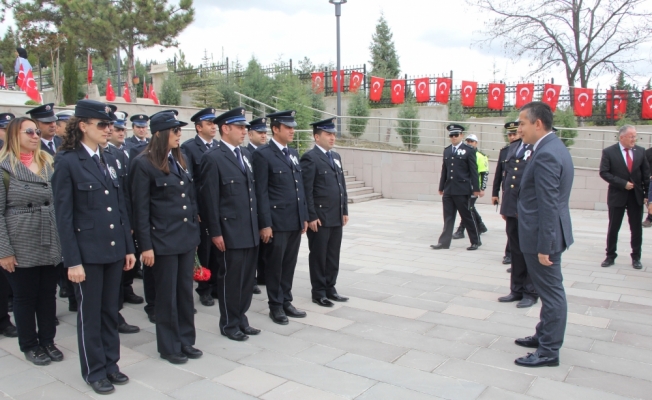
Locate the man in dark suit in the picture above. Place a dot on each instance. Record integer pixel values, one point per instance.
(282, 213)
(5, 118)
(544, 229)
(194, 149)
(648, 221)
(46, 122)
(625, 167)
(328, 213)
(458, 181)
(139, 127)
(257, 137)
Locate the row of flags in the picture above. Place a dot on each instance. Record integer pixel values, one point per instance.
(27, 84)
(148, 92)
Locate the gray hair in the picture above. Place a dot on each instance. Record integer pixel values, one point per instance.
(623, 129)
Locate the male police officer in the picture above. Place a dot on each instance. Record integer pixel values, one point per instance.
(483, 173)
(258, 137)
(62, 121)
(282, 213)
(228, 208)
(5, 118)
(45, 121)
(458, 181)
(323, 179)
(139, 126)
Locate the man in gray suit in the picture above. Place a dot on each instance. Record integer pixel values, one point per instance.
(544, 229)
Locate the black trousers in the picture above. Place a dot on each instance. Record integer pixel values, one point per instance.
(261, 263)
(474, 211)
(175, 320)
(97, 320)
(35, 298)
(64, 281)
(520, 281)
(235, 284)
(324, 259)
(282, 256)
(508, 249)
(452, 205)
(5, 289)
(208, 257)
(634, 216)
(128, 280)
(149, 287)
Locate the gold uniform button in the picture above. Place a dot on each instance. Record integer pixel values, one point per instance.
(183, 195)
(106, 192)
(111, 226)
(513, 177)
(109, 209)
(181, 183)
(112, 243)
(184, 207)
(516, 161)
(512, 186)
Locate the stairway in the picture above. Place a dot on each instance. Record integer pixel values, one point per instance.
(357, 191)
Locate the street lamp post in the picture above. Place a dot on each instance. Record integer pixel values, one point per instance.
(338, 13)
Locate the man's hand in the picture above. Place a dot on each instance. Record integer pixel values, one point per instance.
(305, 227)
(345, 220)
(629, 186)
(218, 241)
(495, 201)
(476, 194)
(130, 261)
(76, 274)
(148, 257)
(314, 224)
(544, 259)
(8, 263)
(198, 218)
(504, 217)
(266, 234)
(441, 193)
(482, 193)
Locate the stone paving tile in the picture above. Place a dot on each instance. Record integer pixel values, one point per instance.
(470, 312)
(487, 375)
(623, 385)
(319, 354)
(384, 308)
(52, 391)
(607, 364)
(159, 375)
(462, 335)
(297, 391)
(421, 360)
(209, 366)
(388, 321)
(493, 393)
(632, 339)
(250, 381)
(383, 391)
(24, 381)
(414, 302)
(619, 350)
(205, 389)
(547, 389)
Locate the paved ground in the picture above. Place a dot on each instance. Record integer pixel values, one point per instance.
(421, 324)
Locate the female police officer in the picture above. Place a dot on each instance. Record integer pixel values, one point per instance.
(167, 231)
(96, 243)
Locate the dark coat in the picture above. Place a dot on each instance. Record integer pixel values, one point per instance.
(326, 197)
(135, 150)
(122, 161)
(613, 169)
(500, 169)
(250, 147)
(133, 141)
(57, 142)
(459, 172)
(514, 168)
(194, 149)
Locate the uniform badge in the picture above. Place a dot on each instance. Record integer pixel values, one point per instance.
(112, 172)
(294, 160)
(247, 162)
(527, 154)
(337, 162)
(461, 152)
(117, 162)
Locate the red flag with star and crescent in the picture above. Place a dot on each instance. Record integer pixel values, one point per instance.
(3, 80)
(145, 90)
(355, 80)
(443, 90)
(616, 103)
(30, 88)
(551, 95)
(152, 93)
(646, 104)
(496, 96)
(110, 93)
(318, 82)
(334, 81)
(469, 89)
(422, 88)
(125, 94)
(583, 102)
(376, 88)
(524, 93)
(21, 78)
(398, 91)
(89, 72)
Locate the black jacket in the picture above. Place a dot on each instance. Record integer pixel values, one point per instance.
(133, 141)
(514, 168)
(500, 170)
(325, 187)
(613, 169)
(57, 142)
(251, 148)
(459, 173)
(122, 163)
(194, 149)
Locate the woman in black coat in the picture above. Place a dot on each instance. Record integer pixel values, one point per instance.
(167, 231)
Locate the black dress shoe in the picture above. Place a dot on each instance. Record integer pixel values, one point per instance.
(133, 298)
(507, 260)
(206, 300)
(103, 386)
(278, 316)
(10, 306)
(238, 336)
(608, 262)
(194, 311)
(482, 228)
(529, 341)
(191, 352)
(52, 352)
(474, 246)
(10, 331)
(256, 289)
(251, 331)
(509, 270)
(324, 302)
(510, 297)
(38, 356)
(175, 358)
(56, 321)
(526, 302)
(637, 264)
(63, 292)
(126, 328)
(291, 311)
(215, 295)
(73, 307)
(535, 360)
(337, 297)
(151, 318)
(459, 234)
(118, 378)
(438, 246)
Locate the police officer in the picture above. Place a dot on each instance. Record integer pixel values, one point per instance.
(194, 149)
(139, 126)
(328, 213)
(5, 118)
(282, 213)
(95, 238)
(458, 182)
(46, 122)
(62, 121)
(257, 137)
(521, 288)
(228, 205)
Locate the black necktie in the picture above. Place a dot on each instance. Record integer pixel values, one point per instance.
(99, 164)
(173, 164)
(520, 152)
(239, 157)
(330, 158)
(287, 155)
(209, 145)
(51, 146)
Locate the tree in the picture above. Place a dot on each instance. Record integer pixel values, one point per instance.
(384, 59)
(358, 107)
(565, 118)
(408, 126)
(8, 46)
(259, 86)
(70, 87)
(171, 90)
(456, 111)
(586, 37)
(294, 95)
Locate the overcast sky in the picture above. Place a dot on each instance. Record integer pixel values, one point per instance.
(431, 37)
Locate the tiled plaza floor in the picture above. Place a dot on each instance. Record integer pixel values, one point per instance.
(421, 324)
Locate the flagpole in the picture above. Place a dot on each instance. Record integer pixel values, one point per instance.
(338, 13)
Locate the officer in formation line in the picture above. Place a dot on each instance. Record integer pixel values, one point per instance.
(139, 127)
(62, 120)
(257, 137)
(46, 122)
(5, 118)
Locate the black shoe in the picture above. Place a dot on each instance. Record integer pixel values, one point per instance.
(52, 352)
(474, 246)
(56, 321)
(191, 352)
(151, 318)
(63, 292)
(459, 234)
(439, 246)
(103, 386)
(482, 228)
(608, 262)
(526, 302)
(194, 311)
(73, 307)
(535, 360)
(206, 300)
(337, 297)
(256, 289)
(126, 328)
(238, 336)
(507, 260)
(508, 270)
(510, 297)
(291, 311)
(637, 264)
(117, 378)
(278, 316)
(215, 295)
(10, 306)
(324, 302)
(10, 331)
(175, 358)
(133, 298)
(251, 331)
(38, 356)
(529, 341)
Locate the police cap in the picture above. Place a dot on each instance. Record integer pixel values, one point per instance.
(139, 120)
(5, 118)
(44, 113)
(207, 114)
(454, 129)
(285, 117)
(232, 117)
(258, 125)
(92, 109)
(327, 125)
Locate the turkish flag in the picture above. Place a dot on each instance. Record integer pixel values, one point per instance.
(355, 80)
(334, 81)
(21, 78)
(126, 95)
(30, 88)
(110, 94)
(616, 103)
(152, 94)
(646, 104)
(583, 104)
(524, 92)
(469, 90)
(145, 91)
(422, 87)
(443, 90)
(376, 89)
(398, 91)
(3, 80)
(90, 70)
(551, 95)
(496, 96)
(318, 82)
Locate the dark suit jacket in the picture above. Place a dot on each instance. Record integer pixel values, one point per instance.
(279, 189)
(325, 187)
(91, 210)
(544, 222)
(165, 211)
(57, 142)
(135, 150)
(122, 162)
(133, 141)
(500, 169)
(251, 148)
(648, 156)
(194, 149)
(513, 167)
(459, 171)
(613, 169)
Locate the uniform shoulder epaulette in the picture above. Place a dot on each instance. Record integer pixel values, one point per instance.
(506, 147)
(448, 146)
(469, 146)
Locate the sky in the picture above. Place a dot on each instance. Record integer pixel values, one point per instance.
(431, 37)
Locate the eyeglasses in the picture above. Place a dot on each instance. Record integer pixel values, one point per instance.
(103, 124)
(454, 135)
(32, 132)
(176, 130)
(469, 141)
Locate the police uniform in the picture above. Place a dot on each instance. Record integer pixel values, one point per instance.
(5, 118)
(458, 182)
(94, 229)
(165, 221)
(259, 125)
(194, 149)
(228, 207)
(281, 207)
(498, 179)
(326, 199)
(140, 120)
(483, 175)
(45, 114)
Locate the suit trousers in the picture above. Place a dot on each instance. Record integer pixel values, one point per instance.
(128, 280)
(324, 260)
(262, 262)
(453, 204)
(97, 320)
(5, 289)
(208, 257)
(282, 256)
(175, 319)
(508, 250)
(474, 211)
(547, 282)
(520, 280)
(634, 216)
(35, 294)
(235, 285)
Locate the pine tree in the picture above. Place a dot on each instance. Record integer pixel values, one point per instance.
(358, 107)
(70, 85)
(384, 59)
(408, 127)
(171, 90)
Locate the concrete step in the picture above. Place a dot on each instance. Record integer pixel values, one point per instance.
(354, 184)
(365, 197)
(359, 191)
(349, 178)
